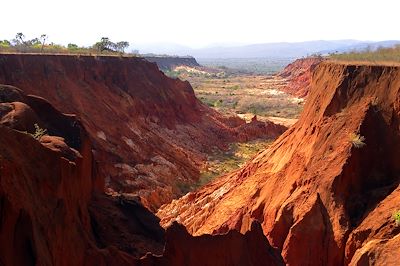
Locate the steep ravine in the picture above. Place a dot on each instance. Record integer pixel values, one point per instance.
(150, 134)
(314, 184)
(53, 210)
(316, 196)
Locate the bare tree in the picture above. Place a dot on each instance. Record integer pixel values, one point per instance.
(19, 39)
(43, 39)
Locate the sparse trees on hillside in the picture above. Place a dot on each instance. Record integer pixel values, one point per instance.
(42, 45)
(19, 39)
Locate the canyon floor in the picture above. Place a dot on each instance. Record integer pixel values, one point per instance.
(244, 95)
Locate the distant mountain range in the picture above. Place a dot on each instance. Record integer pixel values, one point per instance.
(265, 50)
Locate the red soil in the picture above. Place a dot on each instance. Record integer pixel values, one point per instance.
(150, 134)
(299, 75)
(320, 200)
(53, 210)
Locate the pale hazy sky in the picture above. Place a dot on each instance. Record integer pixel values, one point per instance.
(203, 22)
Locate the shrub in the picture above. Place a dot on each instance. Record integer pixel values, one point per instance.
(39, 132)
(357, 140)
(5, 43)
(72, 46)
(396, 217)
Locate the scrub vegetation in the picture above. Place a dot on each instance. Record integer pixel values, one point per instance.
(41, 45)
(378, 56)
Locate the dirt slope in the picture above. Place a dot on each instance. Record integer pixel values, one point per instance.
(298, 75)
(150, 134)
(313, 185)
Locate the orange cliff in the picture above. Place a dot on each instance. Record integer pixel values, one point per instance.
(298, 75)
(322, 199)
(53, 210)
(150, 134)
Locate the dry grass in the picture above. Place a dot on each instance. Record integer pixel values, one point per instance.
(60, 51)
(357, 140)
(247, 94)
(222, 162)
(382, 56)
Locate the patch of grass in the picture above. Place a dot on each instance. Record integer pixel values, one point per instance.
(268, 106)
(39, 132)
(357, 140)
(235, 87)
(184, 188)
(223, 162)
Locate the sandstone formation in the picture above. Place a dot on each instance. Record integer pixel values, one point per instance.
(321, 195)
(298, 75)
(150, 134)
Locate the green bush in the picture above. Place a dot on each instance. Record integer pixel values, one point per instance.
(396, 217)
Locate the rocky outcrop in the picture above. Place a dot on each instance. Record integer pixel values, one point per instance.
(298, 75)
(150, 134)
(321, 195)
(171, 62)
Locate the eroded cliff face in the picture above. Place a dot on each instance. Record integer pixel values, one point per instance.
(150, 134)
(53, 210)
(298, 75)
(46, 184)
(321, 200)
